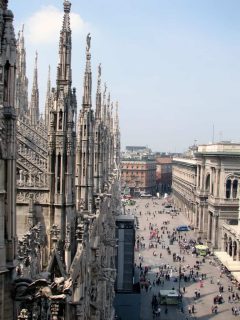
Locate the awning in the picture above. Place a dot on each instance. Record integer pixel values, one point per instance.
(227, 261)
(222, 256)
(233, 265)
(236, 275)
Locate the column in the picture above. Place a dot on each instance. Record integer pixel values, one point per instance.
(217, 183)
(195, 216)
(205, 220)
(200, 216)
(211, 179)
(214, 231)
(222, 244)
(209, 227)
(197, 182)
(228, 247)
(237, 256)
(201, 177)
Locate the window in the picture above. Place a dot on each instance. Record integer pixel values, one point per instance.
(228, 188)
(234, 189)
(207, 187)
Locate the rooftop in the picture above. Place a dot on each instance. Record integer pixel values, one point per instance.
(185, 161)
(164, 160)
(221, 147)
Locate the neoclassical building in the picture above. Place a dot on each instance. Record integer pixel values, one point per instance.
(60, 188)
(205, 188)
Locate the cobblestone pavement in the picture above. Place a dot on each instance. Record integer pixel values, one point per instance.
(207, 292)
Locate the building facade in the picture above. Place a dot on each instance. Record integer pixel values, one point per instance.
(205, 187)
(138, 175)
(184, 186)
(163, 174)
(60, 188)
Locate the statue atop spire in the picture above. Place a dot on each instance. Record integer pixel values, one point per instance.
(4, 4)
(35, 77)
(87, 87)
(67, 6)
(99, 71)
(88, 42)
(105, 89)
(99, 94)
(36, 58)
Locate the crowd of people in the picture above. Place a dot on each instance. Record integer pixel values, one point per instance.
(161, 235)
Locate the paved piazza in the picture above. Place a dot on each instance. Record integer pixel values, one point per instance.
(202, 305)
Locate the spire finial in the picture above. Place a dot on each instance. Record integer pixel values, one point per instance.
(105, 88)
(67, 6)
(4, 4)
(36, 59)
(88, 76)
(99, 70)
(49, 79)
(88, 42)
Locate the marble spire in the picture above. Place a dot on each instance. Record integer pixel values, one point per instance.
(34, 104)
(87, 86)
(99, 94)
(64, 72)
(48, 98)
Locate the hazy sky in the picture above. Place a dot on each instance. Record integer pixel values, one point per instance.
(174, 66)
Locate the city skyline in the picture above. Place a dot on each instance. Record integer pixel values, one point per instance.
(174, 67)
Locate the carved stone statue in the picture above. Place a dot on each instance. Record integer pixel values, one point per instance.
(105, 88)
(99, 70)
(88, 42)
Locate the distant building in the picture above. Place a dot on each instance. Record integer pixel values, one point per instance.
(138, 149)
(137, 152)
(138, 175)
(163, 174)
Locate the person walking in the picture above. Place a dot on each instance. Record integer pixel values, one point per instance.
(193, 309)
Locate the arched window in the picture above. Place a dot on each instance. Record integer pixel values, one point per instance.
(207, 185)
(234, 189)
(228, 188)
